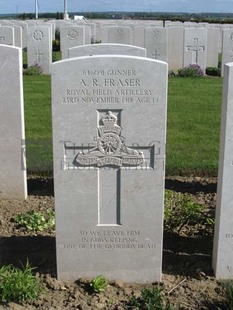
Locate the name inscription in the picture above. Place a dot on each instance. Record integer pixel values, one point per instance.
(109, 86)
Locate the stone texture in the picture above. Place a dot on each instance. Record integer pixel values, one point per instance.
(223, 236)
(109, 190)
(212, 47)
(13, 183)
(106, 49)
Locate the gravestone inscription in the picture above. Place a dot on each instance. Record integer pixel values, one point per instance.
(109, 120)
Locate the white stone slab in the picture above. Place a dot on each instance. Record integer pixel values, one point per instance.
(117, 34)
(70, 37)
(18, 36)
(156, 43)
(39, 47)
(212, 47)
(7, 35)
(227, 47)
(109, 189)
(195, 47)
(106, 49)
(175, 48)
(13, 182)
(223, 235)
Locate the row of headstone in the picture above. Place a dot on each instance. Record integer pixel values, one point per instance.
(179, 46)
(105, 185)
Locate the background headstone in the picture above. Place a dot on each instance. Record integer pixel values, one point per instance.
(39, 49)
(109, 190)
(156, 43)
(106, 49)
(70, 37)
(223, 235)
(195, 47)
(13, 182)
(175, 48)
(7, 35)
(227, 47)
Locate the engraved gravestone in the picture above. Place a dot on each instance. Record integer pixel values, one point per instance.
(223, 235)
(13, 181)
(39, 47)
(109, 120)
(195, 46)
(156, 43)
(70, 37)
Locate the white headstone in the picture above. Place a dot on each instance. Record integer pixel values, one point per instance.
(106, 49)
(109, 120)
(117, 34)
(175, 48)
(7, 35)
(156, 43)
(39, 49)
(212, 47)
(70, 37)
(223, 235)
(18, 36)
(195, 47)
(227, 47)
(13, 181)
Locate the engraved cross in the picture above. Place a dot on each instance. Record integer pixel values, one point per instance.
(38, 55)
(195, 49)
(109, 157)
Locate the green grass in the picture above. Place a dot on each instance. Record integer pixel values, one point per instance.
(193, 125)
(38, 122)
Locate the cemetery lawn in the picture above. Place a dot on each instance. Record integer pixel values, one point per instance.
(188, 282)
(193, 125)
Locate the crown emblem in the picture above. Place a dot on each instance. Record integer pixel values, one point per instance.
(109, 121)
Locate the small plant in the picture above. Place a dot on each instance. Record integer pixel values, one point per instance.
(149, 300)
(99, 284)
(228, 286)
(213, 71)
(18, 285)
(33, 70)
(193, 70)
(181, 210)
(36, 221)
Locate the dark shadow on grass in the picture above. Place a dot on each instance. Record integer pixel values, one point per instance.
(39, 251)
(191, 187)
(39, 186)
(187, 256)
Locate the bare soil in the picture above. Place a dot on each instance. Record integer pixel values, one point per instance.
(188, 280)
